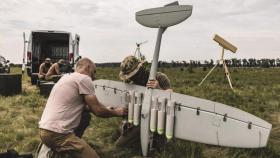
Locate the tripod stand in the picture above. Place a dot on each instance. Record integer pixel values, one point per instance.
(221, 61)
(138, 53)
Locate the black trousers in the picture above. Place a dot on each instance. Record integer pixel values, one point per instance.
(84, 123)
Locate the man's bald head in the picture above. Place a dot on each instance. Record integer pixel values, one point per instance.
(84, 62)
(86, 66)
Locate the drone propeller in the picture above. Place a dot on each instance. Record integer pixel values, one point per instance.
(139, 44)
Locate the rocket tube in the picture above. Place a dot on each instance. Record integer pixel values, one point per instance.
(125, 98)
(131, 106)
(154, 110)
(170, 114)
(137, 107)
(161, 115)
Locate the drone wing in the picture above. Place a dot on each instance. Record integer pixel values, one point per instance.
(189, 118)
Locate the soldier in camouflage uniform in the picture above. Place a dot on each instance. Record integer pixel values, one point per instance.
(132, 71)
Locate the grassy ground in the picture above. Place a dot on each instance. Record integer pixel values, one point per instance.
(256, 91)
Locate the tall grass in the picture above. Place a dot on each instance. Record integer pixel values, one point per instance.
(19, 118)
(256, 91)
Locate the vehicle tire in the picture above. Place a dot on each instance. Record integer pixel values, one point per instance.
(10, 84)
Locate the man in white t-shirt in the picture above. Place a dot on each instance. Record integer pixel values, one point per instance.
(62, 114)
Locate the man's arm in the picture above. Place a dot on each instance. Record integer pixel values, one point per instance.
(161, 82)
(154, 84)
(50, 71)
(41, 71)
(100, 110)
(56, 68)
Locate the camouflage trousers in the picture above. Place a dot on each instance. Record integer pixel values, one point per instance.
(130, 137)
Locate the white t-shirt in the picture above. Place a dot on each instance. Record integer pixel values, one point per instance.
(65, 104)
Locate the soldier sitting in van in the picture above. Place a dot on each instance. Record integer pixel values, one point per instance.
(54, 73)
(44, 68)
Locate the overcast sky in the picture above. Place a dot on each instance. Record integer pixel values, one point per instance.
(109, 31)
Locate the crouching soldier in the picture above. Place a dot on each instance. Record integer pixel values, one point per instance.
(44, 68)
(54, 73)
(132, 71)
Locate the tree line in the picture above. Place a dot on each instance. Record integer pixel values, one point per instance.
(234, 62)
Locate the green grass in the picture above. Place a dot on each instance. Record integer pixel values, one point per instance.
(256, 91)
(19, 118)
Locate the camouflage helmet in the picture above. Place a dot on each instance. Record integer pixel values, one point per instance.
(61, 61)
(129, 67)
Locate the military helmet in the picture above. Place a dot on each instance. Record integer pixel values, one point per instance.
(61, 61)
(129, 67)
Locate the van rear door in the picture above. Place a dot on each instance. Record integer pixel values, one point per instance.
(28, 56)
(23, 56)
(76, 47)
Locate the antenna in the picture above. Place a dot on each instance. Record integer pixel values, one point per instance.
(138, 53)
(225, 45)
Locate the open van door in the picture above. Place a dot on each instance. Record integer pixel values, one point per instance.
(24, 55)
(76, 48)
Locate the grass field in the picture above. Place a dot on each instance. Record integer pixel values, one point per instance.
(256, 91)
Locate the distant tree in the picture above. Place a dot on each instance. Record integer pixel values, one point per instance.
(272, 62)
(198, 64)
(251, 62)
(234, 62)
(239, 63)
(206, 63)
(179, 63)
(265, 63)
(190, 68)
(159, 63)
(211, 63)
(227, 62)
(245, 63)
(259, 63)
(173, 63)
(278, 62)
(185, 63)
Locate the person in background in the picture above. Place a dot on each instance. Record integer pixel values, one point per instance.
(70, 96)
(44, 68)
(54, 71)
